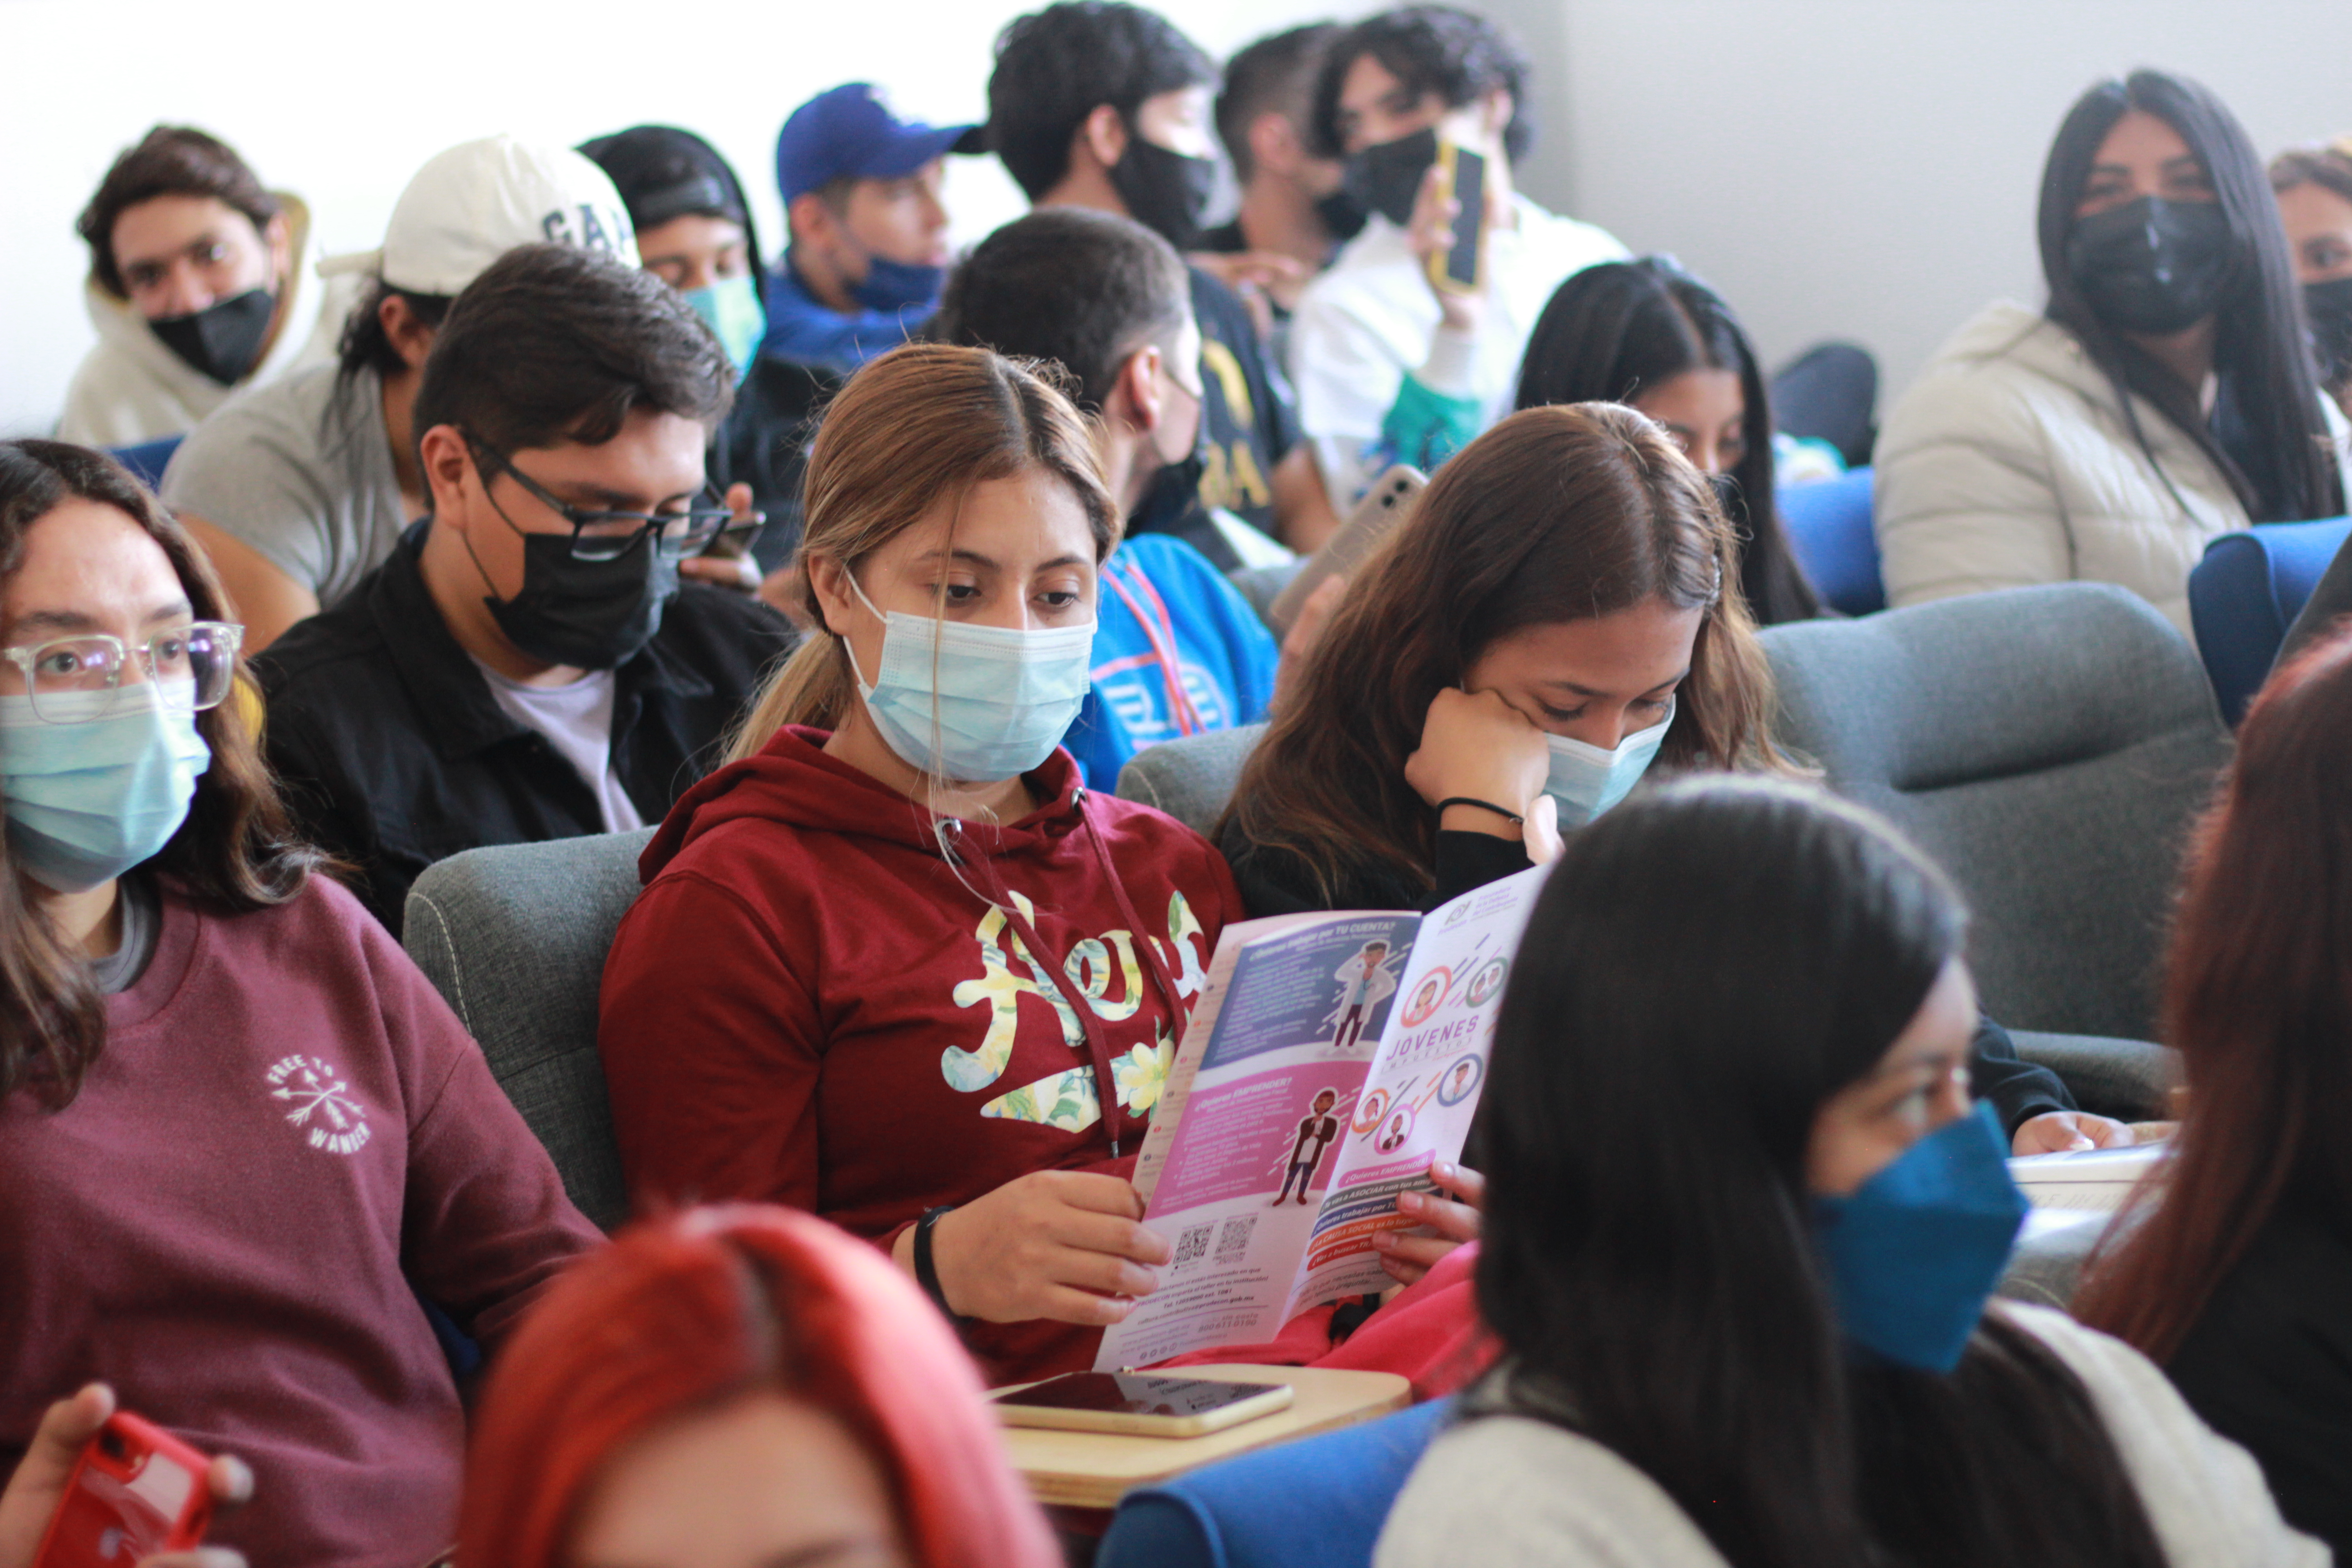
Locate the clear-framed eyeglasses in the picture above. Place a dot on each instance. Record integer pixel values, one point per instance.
(78, 679)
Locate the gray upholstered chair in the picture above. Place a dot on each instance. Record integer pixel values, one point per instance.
(1192, 779)
(515, 938)
(2049, 746)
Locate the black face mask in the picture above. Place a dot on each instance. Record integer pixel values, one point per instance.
(591, 614)
(2329, 307)
(223, 340)
(1343, 215)
(1727, 497)
(1385, 177)
(2151, 265)
(1166, 191)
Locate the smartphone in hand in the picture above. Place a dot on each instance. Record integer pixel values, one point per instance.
(1461, 266)
(135, 1492)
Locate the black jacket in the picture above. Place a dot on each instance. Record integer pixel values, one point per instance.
(393, 753)
(2268, 1364)
(1274, 882)
(765, 445)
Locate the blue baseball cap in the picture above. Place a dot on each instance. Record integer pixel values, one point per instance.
(849, 132)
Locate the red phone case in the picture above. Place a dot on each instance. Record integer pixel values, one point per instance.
(136, 1490)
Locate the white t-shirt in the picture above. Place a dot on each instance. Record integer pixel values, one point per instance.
(1373, 317)
(577, 720)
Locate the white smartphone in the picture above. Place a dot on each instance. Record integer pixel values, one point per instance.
(1138, 1404)
(1385, 505)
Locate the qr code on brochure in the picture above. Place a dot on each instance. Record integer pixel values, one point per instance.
(1191, 1244)
(1235, 1239)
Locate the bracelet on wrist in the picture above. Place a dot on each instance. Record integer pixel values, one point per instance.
(1513, 817)
(927, 1269)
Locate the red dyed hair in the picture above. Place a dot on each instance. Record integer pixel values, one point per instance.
(698, 1308)
(2258, 997)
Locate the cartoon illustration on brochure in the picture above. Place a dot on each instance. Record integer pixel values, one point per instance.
(1364, 983)
(1316, 1132)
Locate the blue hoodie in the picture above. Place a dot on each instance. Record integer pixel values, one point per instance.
(1158, 591)
(804, 329)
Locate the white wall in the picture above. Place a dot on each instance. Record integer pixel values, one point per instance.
(341, 102)
(1868, 168)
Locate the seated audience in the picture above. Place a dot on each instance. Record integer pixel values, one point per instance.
(237, 1125)
(2237, 1272)
(2164, 396)
(867, 255)
(297, 491)
(1647, 334)
(2314, 189)
(740, 1387)
(1551, 621)
(1102, 104)
(1177, 649)
(200, 283)
(899, 858)
(893, 860)
(1393, 88)
(1293, 206)
(526, 665)
(1741, 1232)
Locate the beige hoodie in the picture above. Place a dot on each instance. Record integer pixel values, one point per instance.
(131, 388)
(2009, 463)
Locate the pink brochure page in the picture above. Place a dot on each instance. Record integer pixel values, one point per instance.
(1423, 1087)
(1264, 1089)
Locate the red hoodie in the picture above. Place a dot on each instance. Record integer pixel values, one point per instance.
(809, 1004)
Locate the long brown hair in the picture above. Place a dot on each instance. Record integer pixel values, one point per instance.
(237, 851)
(2258, 999)
(1560, 513)
(920, 424)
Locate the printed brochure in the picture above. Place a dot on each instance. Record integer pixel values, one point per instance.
(1331, 1059)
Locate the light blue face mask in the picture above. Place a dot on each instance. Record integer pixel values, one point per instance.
(733, 308)
(973, 704)
(1913, 1253)
(88, 800)
(1586, 781)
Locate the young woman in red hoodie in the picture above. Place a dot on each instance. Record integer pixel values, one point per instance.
(893, 965)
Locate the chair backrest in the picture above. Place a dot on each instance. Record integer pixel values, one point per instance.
(148, 459)
(1830, 530)
(2247, 591)
(515, 938)
(1192, 779)
(2049, 747)
(1318, 1502)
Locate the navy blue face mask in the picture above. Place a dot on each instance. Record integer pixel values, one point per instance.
(895, 288)
(1913, 1253)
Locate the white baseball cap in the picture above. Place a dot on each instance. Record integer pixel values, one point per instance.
(471, 205)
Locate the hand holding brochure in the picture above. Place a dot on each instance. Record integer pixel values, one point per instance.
(1331, 1059)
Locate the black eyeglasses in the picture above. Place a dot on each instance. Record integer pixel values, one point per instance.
(607, 535)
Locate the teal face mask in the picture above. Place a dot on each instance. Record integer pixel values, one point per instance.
(88, 800)
(1914, 1251)
(733, 308)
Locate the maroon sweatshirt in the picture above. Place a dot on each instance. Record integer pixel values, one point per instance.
(286, 1127)
(810, 1005)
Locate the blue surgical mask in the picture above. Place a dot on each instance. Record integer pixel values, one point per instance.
(1915, 1251)
(973, 704)
(899, 287)
(88, 800)
(1586, 781)
(733, 308)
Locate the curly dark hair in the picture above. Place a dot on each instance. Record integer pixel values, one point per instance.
(1457, 54)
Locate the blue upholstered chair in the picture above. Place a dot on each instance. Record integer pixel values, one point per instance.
(148, 458)
(1315, 1503)
(1829, 528)
(2246, 593)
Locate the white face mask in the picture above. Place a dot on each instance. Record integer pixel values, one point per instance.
(973, 704)
(1587, 781)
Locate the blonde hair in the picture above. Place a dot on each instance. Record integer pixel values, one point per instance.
(920, 425)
